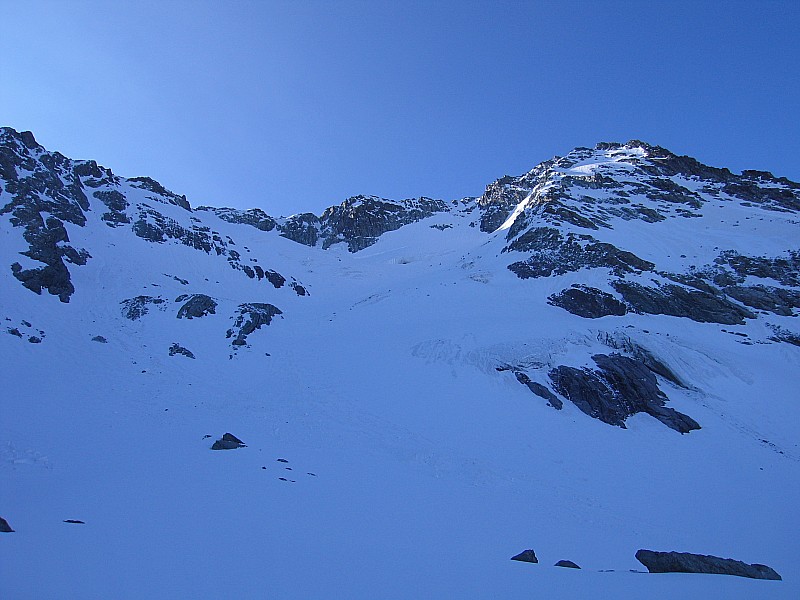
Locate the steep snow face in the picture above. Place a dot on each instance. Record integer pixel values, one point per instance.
(415, 410)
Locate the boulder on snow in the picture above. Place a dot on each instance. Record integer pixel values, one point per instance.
(686, 562)
(526, 556)
(228, 442)
(567, 563)
(4, 526)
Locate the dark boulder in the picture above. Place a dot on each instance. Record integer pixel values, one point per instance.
(567, 563)
(686, 562)
(526, 556)
(4, 526)
(228, 442)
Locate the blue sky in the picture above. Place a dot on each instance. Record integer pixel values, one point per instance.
(294, 106)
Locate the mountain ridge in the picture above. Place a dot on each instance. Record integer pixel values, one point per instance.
(544, 340)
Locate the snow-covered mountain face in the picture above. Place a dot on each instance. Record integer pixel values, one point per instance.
(451, 382)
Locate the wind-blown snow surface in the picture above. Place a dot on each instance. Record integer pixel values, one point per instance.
(417, 468)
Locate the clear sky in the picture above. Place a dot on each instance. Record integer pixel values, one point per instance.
(294, 106)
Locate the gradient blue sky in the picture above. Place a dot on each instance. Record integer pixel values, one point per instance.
(294, 106)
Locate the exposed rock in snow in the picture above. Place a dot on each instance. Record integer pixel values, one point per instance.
(195, 306)
(567, 563)
(250, 317)
(539, 390)
(686, 562)
(526, 556)
(620, 387)
(136, 308)
(176, 348)
(228, 442)
(588, 302)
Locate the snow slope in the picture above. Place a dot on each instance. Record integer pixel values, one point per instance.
(414, 467)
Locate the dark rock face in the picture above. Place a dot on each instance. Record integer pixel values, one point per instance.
(567, 563)
(176, 348)
(250, 317)
(303, 229)
(196, 306)
(100, 338)
(686, 562)
(677, 301)
(136, 308)
(526, 556)
(358, 221)
(5, 527)
(228, 442)
(620, 387)
(588, 302)
(539, 390)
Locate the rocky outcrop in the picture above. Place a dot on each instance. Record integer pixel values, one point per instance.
(255, 217)
(250, 317)
(526, 556)
(686, 562)
(587, 302)
(783, 269)
(781, 334)
(567, 563)
(776, 300)
(176, 348)
(620, 387)
(46, 193)
(678, 301)
(358, 221)
(5, 527)
(162, 193)
(228, 442)
(556, 254)
(303, 229)
(135, 308)
(117, 204)
(196, 306)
